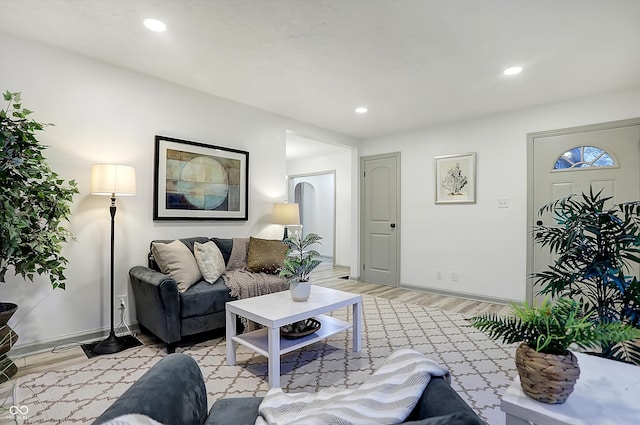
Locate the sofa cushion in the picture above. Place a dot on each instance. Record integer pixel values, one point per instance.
(265, 255)
(177, 261)
(457, 418)
(225, 246)
(237, 411)
(188, 242)
(440, 399)
(203, 298)
(209, 260)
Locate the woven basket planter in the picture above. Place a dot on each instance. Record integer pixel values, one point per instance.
(548, 378)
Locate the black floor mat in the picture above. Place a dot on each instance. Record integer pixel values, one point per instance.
(130, 341)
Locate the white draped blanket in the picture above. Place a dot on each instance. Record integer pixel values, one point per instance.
(388, 397)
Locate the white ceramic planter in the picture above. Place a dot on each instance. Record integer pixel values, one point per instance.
(300, 291)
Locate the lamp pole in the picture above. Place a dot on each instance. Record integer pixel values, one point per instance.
(113, 343)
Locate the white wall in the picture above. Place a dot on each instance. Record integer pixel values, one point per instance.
(485, 245)
(346, 253)
(106, 114)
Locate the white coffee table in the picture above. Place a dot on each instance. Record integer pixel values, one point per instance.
(607, 393)
(278, 309)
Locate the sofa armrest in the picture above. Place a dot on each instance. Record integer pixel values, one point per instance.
(157, 302)
(171, 392)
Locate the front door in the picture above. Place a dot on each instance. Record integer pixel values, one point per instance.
(380, 204)
(604, 156)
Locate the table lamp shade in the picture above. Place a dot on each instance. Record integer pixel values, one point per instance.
(113, 180)
(285, 213)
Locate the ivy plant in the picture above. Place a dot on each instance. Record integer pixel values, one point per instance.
(35, 202)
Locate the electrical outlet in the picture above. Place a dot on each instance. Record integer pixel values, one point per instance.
(454, 276)
(124, 302)
(438, 274)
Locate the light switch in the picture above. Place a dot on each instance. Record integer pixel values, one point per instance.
(503, 203)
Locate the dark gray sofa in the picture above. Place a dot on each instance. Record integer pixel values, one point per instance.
(173, 392)
(171, 315)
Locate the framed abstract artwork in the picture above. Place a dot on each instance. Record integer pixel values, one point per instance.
(456, 179)
(196, 181)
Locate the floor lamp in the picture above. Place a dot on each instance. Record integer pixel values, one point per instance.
(287, 214)
(112, 180)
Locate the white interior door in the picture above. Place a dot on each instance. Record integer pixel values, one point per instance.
(380, 213)
(605, 157)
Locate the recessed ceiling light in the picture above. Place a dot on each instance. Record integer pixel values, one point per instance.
(513, 70)
(362, 110)
(154, 25)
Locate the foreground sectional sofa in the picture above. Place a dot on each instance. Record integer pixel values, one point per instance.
(173, 392)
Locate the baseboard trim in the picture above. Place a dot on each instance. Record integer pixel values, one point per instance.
(50, 344)
(466, 295)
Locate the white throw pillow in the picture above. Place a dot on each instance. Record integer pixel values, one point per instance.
(177, 261)
(210, 261)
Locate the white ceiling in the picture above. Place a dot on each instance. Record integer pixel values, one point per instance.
(300, 147)
(413, 63)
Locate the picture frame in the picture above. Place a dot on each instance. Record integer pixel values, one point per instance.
(198, 181)
(456, 178)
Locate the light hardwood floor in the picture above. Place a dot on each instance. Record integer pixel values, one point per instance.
(325, 275)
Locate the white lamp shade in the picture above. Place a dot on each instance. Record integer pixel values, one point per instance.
(113, 180)
(285, 213)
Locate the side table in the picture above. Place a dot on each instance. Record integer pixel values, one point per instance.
(607, 393)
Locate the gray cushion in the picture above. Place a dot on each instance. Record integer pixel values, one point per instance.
(439, 399)
(203, 298)
(236, 411)
(457, 418)
(225, 246)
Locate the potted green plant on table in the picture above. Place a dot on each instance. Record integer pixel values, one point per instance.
(299, 263)
(34, 202)
(596, 249)
(547, 368)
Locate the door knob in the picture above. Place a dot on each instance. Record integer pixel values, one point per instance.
(393, 225)
(539, 223)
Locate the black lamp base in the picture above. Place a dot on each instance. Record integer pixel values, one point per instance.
(113, 344)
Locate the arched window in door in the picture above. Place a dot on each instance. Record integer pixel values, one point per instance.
(584, 157)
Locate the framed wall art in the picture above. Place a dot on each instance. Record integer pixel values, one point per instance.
(196, 181)
(456, 179)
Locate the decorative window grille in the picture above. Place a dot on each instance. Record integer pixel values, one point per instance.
(584, 157)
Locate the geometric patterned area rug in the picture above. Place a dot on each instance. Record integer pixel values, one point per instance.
(481, 368)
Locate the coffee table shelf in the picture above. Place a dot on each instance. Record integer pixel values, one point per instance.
(258, 340)
(278, 309)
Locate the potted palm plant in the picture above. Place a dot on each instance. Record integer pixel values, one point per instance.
(547, 368)
(596, 250)
(34, 203)
(299, 263)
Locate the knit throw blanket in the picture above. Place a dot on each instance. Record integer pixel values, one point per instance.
(388, 397)
(243, 284)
